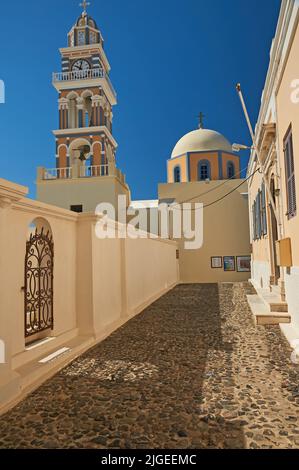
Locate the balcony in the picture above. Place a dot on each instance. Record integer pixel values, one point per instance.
(79, 75)
(79, 173)
(69, 173)
(57, 173)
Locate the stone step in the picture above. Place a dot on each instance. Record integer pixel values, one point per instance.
(273, 318)
(262, 313)
(279, 307)
(273, 301)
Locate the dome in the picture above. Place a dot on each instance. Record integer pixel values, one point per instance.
(201, 140)
(86, 20)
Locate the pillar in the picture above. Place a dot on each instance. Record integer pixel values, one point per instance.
(96, 101)
(97, 151)
(63, 113)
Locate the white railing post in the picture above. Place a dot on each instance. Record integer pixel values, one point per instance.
(80, 75)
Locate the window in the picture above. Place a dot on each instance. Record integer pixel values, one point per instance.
(231, 174)
(263, 211)
(81, 38)
(78, 209)
(204, 170)
(254, 221)
(259, 215)
(92, 37)
(177, 174)
(290, 174)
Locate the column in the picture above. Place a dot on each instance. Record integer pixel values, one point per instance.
(63, 113)
(111, 160)
(96, 100)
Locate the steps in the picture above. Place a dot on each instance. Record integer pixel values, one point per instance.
(268, 309)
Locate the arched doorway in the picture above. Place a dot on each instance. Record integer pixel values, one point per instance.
(38, 288)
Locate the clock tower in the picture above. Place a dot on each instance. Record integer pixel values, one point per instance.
(85, 173)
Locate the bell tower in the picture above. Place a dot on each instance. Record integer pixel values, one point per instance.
(85, 172)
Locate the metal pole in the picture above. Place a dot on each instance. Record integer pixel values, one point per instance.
(272, 202)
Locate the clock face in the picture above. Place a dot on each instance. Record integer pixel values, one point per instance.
(80, 65)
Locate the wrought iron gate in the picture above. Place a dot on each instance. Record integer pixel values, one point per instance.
(39, 263)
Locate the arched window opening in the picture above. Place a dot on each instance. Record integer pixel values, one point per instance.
(231, 174)
(177, 174)
(204, 170)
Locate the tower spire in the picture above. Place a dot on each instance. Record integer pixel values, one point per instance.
(201, 117)
(84, 5)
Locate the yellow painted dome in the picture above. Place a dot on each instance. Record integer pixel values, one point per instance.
(201, 140)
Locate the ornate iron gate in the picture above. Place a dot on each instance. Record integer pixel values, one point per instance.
(39, 263)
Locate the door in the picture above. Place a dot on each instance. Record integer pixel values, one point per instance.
(39, 262)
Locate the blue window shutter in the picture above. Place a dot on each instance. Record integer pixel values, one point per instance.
(254, 220)
(258, 216)
(290, 174)
(264, 206)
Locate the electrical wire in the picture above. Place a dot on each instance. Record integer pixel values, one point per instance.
(217, 200)
(219, 185)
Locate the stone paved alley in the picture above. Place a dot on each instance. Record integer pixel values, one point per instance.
(192, 371)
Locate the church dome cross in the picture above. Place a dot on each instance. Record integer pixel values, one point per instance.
(84, 5)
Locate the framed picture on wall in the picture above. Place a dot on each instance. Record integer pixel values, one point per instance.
(244, 264)
(229, 263)
(216, 262)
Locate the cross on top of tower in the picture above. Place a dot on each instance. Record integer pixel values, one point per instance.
(84, 5)
(200, 117)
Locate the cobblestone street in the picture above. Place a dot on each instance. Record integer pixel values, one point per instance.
(192, 371)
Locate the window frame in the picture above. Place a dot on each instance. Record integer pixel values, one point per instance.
(290, 177)
(177, 168)
(201, 164)
(229, 165)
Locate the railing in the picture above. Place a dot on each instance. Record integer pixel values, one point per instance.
(58, 173)
(91, 171)
(82, 75)
(83, 172)
(78, 75)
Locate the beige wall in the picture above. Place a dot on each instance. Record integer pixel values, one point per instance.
(159, 268)
(88, 192)
(98, 284)
(127, 274)
(226, 229)
(63, 226)
(288, 114)
(261, 250)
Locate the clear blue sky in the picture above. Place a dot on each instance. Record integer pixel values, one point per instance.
(170, 59)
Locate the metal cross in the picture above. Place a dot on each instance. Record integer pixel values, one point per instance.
(201, 124)
(84, 5)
